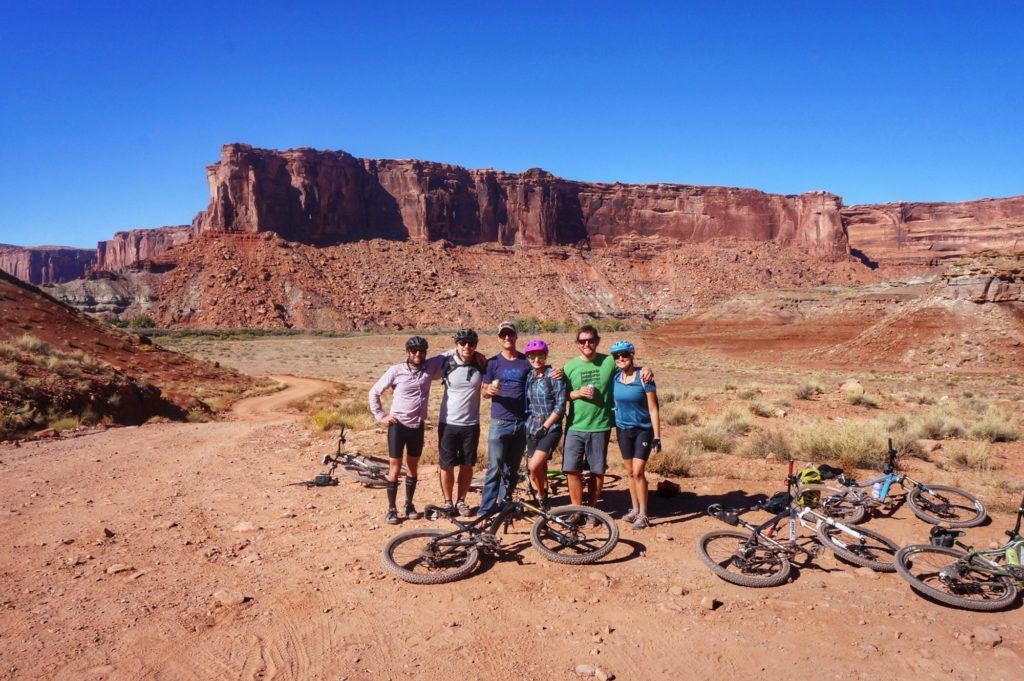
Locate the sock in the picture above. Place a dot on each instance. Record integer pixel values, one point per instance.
(392, 493)
(410, 489)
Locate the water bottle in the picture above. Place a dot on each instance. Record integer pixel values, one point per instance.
(1013, 554)
(876, 490)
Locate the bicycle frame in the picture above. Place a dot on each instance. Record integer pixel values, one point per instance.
(490, 523)
(888, 478)
(989, 560)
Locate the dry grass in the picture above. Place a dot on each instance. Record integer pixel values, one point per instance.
(808, 390)
(761, 408)
(676, 459)
(66, 423)
(937, 424)
(995, 426)
(919, 398)
(859, 398)
(765, 442)
(849, 445)
(33, 345)
(972, 456)
(711, 438)
(749, 393)
(679, 414)
(734, 421)
(8, 372)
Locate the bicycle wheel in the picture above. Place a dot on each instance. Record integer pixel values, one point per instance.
(363, 477)
(415, 557)
(566, 535)
(843, 505)
(731, 556)
(949, 506)
(945, 575)
(875, 551)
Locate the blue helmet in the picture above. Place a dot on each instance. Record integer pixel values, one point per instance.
(622, 346)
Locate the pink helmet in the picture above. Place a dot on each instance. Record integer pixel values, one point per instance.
(536, 345)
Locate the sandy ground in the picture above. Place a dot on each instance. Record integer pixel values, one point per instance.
(115, 544)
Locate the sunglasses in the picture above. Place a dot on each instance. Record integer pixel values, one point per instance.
(417, 351)
(506, 334)
(468, 343)
(534, 358)
(587, 341)
(622, 355)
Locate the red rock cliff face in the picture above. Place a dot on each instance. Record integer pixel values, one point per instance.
(45, 264)
(925, 233)
(324, 197)
(129, 248)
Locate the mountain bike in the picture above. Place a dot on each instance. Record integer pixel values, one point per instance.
(573, 535)
(964, 577)
(757, 558)
(935, 504)
(371, 471)
(557, 480)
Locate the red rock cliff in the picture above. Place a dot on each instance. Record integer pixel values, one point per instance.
(925, 233)
(129, 248)
(324, 197)
(45, 264)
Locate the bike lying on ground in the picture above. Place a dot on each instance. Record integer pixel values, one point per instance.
(965, 577)
(557, 480)
(574, 535)
(756, 558)
(935, 504)
(370, 471)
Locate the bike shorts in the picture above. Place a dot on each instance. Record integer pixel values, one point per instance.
(457, 445)
(635, 443)
(405, 439)
(590, 446)
(546, 444)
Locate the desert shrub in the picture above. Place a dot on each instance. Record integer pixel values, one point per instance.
(995, 426)
(65, 423)
(849, 445)
(141, 322)
(978, 405)
(974, 456)
(765, 442)
(9, 351)
(119, 322)
(325, 419)
(676, 459)
(712, 438)
(734, 421)
(760, 408)
(748, 393)
(808, 390)
(30, 343)
(859, 398)
(728, 387)
(919, 398)
(679, 414)
(671, 395)
(937, 424)
(355, 414)
(8, 373)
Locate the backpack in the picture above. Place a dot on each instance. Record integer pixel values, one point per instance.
(450, 365)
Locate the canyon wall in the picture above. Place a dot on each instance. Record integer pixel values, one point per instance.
(45, 264)
(329, 197)
(129, 248)
(926, 233)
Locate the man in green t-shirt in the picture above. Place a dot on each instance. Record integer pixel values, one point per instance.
(590, 389)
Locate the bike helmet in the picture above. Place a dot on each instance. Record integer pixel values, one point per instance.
(536, 345)
(416, 342)
(622, 346)
(464, 335)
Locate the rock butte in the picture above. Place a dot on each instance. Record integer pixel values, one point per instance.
(46, 264)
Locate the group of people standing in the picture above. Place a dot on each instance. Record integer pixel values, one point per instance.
(529, 402)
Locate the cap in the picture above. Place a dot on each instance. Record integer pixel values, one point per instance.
(507, 326)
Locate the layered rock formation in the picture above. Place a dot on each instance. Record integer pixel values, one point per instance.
(926, 233)
(127, 249)
(329, 197)
(987, 278)
(45, 264)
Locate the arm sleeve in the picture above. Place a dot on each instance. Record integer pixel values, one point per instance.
(488, 372)
(561, 394)
(435, 365)
(375, 392)
(650, 387)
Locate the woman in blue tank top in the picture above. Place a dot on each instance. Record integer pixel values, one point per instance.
(637, 426)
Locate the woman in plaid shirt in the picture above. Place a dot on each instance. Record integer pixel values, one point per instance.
(545, 404)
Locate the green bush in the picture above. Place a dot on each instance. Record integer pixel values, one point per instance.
(141, 322)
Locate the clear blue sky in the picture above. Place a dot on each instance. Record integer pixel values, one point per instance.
(110, 111)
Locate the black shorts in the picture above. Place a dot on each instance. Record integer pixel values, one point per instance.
(546, 444)
(635, 443)
(405, 438)
(457, 444)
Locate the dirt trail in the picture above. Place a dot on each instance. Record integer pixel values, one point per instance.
(267, 407)
(194, 509)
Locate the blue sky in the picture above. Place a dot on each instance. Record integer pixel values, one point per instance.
(110, 111)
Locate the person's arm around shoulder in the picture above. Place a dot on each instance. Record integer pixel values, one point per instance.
(383, 383)
(561, 393)
(654, 408)
(647, 374)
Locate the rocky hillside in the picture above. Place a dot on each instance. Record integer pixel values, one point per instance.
(45, 264)
(60, 365)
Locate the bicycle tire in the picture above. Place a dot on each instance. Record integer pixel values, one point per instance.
(843, 506)
(939, 513)
(922, 580)
(774, 572)
(866, 555)
(364, 478)
(575, 545)
(464, 559)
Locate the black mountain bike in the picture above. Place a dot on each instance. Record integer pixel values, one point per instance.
(371, 471)
(574, 535)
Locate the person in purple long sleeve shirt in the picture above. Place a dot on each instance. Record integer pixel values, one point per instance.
(410, 384)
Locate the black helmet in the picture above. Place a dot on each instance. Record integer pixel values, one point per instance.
(463, 335)
(416, 343)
